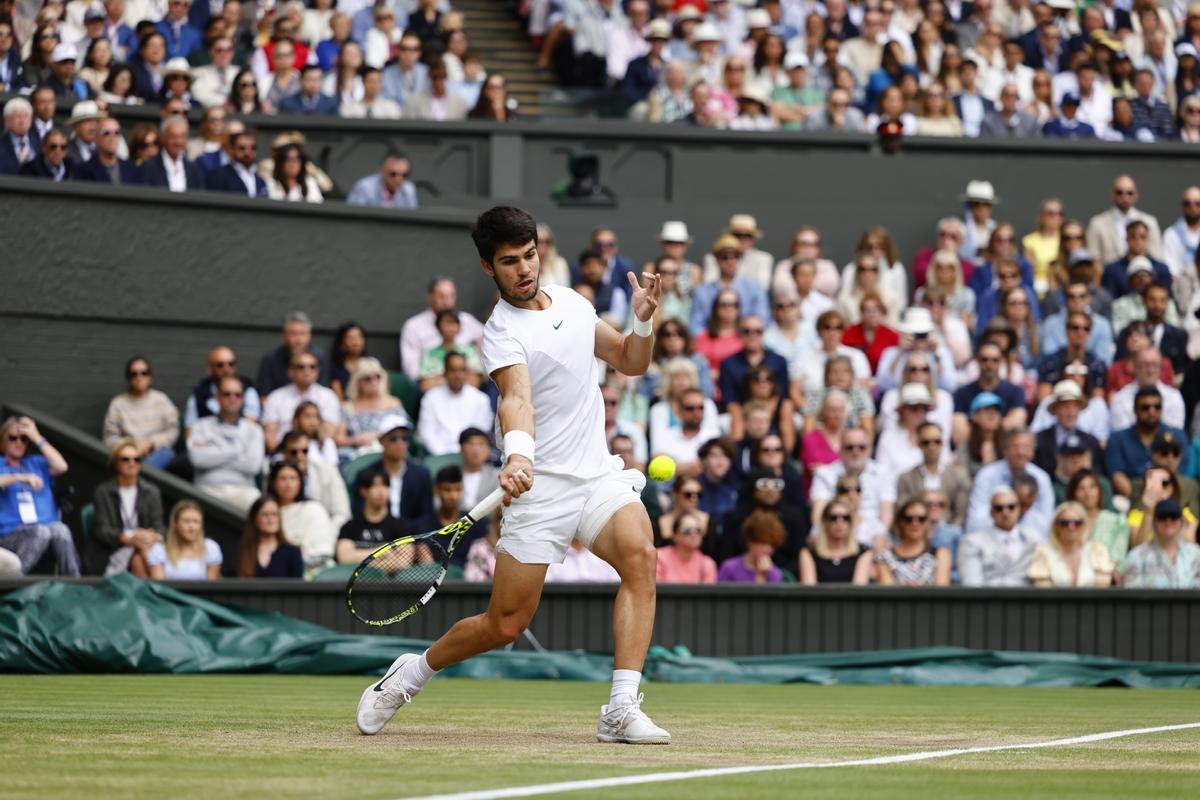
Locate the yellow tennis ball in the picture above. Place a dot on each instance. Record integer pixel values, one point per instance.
(662, 468)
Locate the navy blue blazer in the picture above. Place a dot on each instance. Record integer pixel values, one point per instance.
(16, 70)
(1046, 455)
(9, 165)
(143, 85)
(153, 173)
(1116, 276)
(38, 168)
(297, 103)
(211, 162)
(92, 170)
(190, 39)
(226, 179)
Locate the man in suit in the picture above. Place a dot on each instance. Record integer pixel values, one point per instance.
(106, 166)
(1067, 403)
(239, 176)
(148, 67)
(949, 478)
(212, 161)
(85, 125)
(53, 162)
(1106, 232)
(45, 104)
(181, 36)
(411, 492)
(1171, 340)
(1116, 276)
(999, 555)
(11, 71)
(1008, 121)
(389, 189)
(211, 83)
(309, 100)
(1044, 48)
(18, 143)
(436, 103)
(171, 168)
(1051, 368)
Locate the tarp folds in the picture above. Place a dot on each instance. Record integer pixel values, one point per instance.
(125, 625)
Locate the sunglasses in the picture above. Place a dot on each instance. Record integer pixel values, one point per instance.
(304, 366)
(849, 488)
(396, 437)
(295, 451)
(727, 304)
(692, 495)
(137, 373)
(1070, 523)
(769, 483)
(699, 407)
(832, 328)
(230, 394)
(854, 448)
(15, 437)
(752, 331)
(129, 459)
(837, 517)
(927, 442)
(1005, 507)
(1079, 327)
(771, 449)
(689, 531)
(910, 518)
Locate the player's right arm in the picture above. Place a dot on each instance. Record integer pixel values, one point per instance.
(515, 411)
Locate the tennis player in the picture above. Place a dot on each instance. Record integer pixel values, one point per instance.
(540, 346)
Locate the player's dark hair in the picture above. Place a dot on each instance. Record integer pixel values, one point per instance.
(469, 433)
(450, 474)
(502, 225)
(367, 477)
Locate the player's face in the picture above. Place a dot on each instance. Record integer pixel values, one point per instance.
(515, 269)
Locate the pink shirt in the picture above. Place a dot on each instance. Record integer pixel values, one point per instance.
(673, 569)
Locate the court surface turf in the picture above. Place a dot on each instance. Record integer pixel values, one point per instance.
(259, 736)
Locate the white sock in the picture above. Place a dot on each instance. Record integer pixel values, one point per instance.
(418, 673)
(624, 687)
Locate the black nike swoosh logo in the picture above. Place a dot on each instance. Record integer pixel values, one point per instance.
(560, 322)
(378, 686)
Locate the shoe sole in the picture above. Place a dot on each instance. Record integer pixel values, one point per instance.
(607, 739)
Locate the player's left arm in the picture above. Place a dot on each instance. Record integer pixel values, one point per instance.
(630, 353)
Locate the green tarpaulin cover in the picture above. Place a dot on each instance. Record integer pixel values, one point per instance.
(128, 625)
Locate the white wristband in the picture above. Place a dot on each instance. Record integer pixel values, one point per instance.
(643, 328)
(518, 443)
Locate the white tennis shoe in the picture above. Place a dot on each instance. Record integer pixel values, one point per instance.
(629, 725)
(380, 701)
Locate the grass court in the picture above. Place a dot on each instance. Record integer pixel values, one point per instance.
(252, 736)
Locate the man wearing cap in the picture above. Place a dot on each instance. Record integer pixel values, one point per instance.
(1050, 368)
(64, 81)
(1078, 296)
(1132, 306)
(1167, 561)
(674, 239)
(1007, 120)
(85, 122)
(899, 447)
(645, 71)
(792, 104)
(1118, 273)
(18, 142)
(181, 36)
(410, 487)
(106, 165)
(1107, 232)
(917, 334)
(980, 200)
(989, 357)
(1066, 403)
(1128, 452)
(999, 550)
(1018, 448)
(757, 265)
(1067, 124)
(727, 252)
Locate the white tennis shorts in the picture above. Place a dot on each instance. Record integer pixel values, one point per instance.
(539, 525)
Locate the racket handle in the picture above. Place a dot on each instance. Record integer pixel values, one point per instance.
(487, 505)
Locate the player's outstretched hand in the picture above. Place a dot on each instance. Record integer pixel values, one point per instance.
(516, 478)
(645, 300)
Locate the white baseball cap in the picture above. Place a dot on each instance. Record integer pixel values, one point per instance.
(393, 421)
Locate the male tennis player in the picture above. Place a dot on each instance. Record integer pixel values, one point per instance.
(540, 346)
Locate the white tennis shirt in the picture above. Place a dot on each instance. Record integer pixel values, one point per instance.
(558, 345)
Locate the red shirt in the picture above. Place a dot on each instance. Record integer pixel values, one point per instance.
(1120, 374)
(885, 337)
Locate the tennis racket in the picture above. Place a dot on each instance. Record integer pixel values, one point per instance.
(399, 578)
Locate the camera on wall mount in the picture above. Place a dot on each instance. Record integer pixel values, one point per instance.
(583, 186)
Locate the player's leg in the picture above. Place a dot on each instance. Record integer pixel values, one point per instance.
(516, 590)
(626, 542)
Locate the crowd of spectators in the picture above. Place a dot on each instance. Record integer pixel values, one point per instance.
(1110, 69)
(1003, 410)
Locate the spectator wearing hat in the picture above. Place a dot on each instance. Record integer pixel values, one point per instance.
(1007, 120)
(85, 123)
(106, 165)
(1129, 448)
(1050, 367)
(177, 83)
(1066, 403)
(917, 335)
(64, 80)
(644, 72)
(1168, 452)
(1000, 548)
(1136, 304)
(1168, 561)
(937, 473)
(1117, 272)
(754, 108)
(1053, 332)
(1095, 417)
(53, 162)
(980, 201)
(674, 239)
(1108, 234)
(793, 104)
(180, 35)
(754, 264)
(752, 299)
(1067, 124)
(171, 169)
(899, 447)
(410, 486)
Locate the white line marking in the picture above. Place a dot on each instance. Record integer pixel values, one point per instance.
(662, 777)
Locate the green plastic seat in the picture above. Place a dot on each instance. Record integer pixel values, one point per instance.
(407, 392)
(351, 469)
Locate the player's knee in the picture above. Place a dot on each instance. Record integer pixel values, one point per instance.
(505, 628)
(641, 562)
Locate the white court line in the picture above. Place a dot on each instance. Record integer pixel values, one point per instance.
(663, 777)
